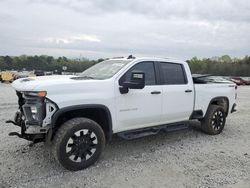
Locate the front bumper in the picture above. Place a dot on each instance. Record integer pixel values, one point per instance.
(37, 135)
(33, 127)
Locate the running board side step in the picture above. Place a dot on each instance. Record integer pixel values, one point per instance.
(134, 134)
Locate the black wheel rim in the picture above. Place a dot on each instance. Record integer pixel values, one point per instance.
(217, 120)
(81, 146)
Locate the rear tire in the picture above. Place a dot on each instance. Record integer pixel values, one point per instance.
(214, 121)
(78, 143)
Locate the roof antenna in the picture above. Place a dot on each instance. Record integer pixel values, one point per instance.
(131, 57)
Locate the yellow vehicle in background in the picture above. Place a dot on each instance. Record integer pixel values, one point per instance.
(7, 76)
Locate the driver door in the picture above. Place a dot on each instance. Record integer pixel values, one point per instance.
(139, 107)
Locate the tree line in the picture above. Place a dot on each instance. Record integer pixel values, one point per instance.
(223, 66)
(45, 63)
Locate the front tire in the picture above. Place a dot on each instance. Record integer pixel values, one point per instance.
(214, 121)
(78, 143)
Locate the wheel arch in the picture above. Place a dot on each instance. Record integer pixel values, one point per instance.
(85, 111)
(220, 101)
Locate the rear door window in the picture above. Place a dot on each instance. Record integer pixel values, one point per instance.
(172, 73)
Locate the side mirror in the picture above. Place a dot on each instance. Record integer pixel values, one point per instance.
(137, 81)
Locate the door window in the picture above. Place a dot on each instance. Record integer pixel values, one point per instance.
(172, 74)
(147, 68)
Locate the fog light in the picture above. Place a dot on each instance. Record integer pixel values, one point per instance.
(33, 109)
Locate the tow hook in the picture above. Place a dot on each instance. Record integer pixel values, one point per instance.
(34, 141)
(15, 134)
(17, 120)
(10, 121)
(33, 138)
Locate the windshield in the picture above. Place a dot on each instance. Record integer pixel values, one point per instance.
(105, 69)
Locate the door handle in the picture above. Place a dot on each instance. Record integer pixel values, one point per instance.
(188, 91)
(155, 92)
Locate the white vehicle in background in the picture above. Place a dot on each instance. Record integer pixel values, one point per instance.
(130, 97)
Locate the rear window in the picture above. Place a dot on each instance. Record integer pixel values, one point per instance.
(173, 73)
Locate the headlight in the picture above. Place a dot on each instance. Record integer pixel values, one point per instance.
(34, 108)
(37, 93)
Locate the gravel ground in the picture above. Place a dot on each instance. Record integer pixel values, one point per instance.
(186, 158)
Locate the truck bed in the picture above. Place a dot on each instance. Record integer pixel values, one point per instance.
(205, 92)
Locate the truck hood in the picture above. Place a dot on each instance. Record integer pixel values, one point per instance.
(65, 91)
(40, 82)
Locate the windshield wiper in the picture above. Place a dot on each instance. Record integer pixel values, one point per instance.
(87, 77)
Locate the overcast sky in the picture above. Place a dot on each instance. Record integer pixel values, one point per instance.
(107, 28)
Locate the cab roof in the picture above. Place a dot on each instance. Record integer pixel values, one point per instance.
(168, 59)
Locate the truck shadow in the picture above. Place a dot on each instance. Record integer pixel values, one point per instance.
(117, 150)
(149, 143)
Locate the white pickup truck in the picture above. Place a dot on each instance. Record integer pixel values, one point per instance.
(130, 97)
